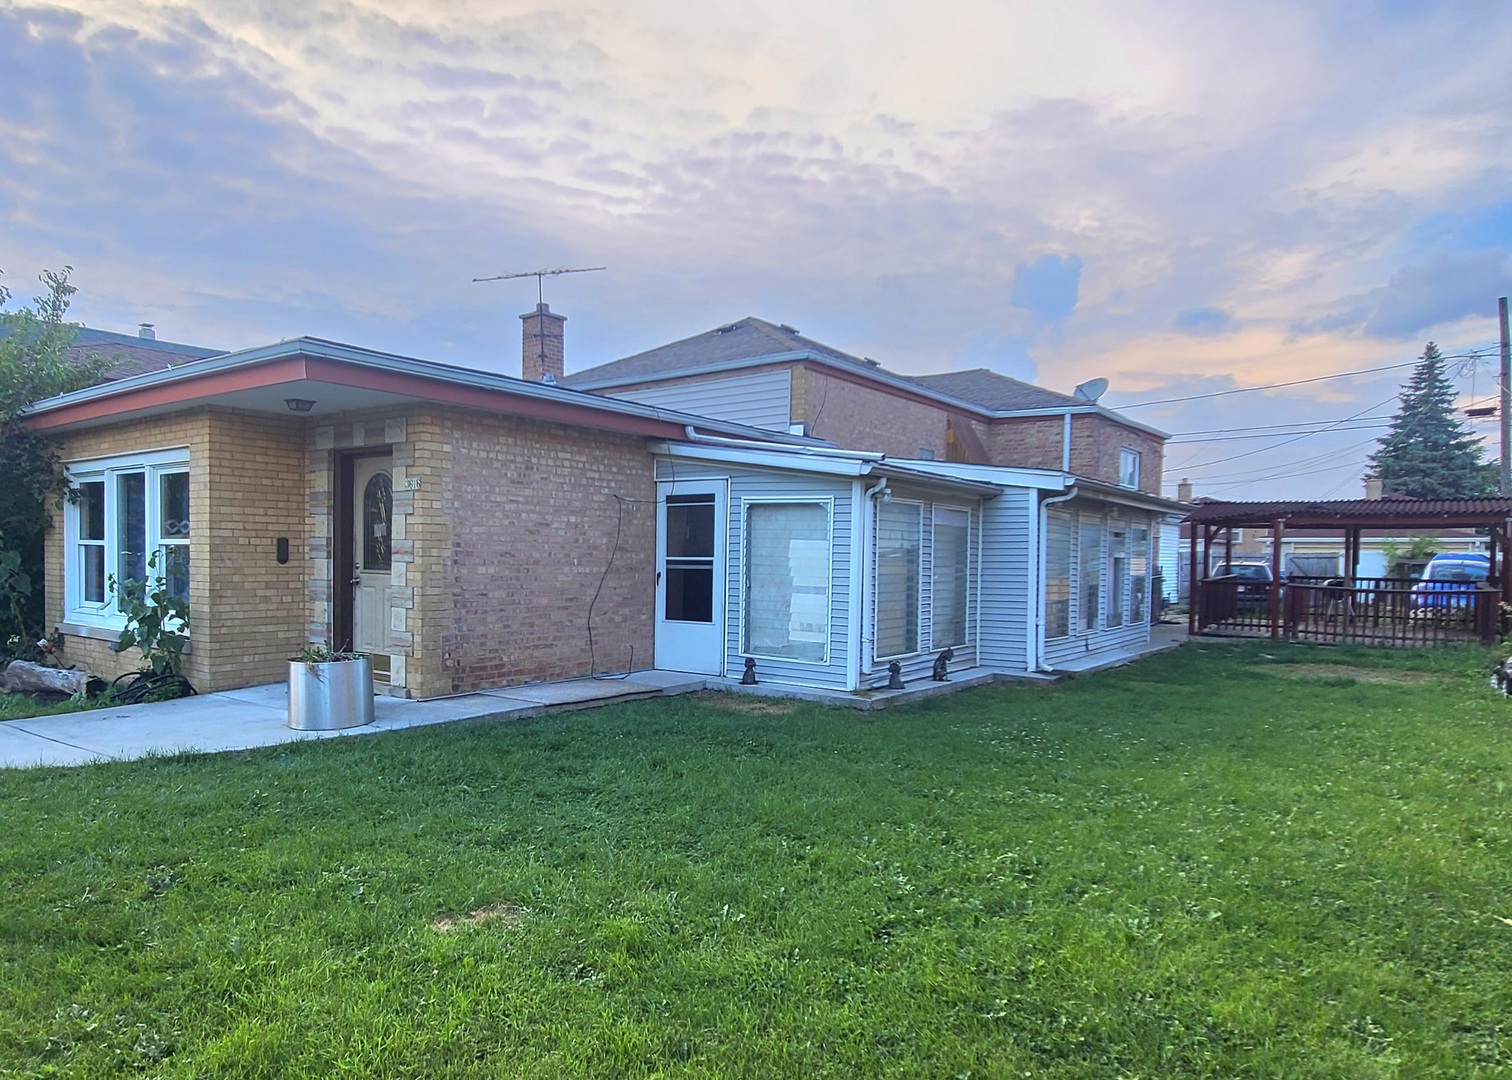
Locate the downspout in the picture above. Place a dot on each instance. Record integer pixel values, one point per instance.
(864, 601)
(1036, 643)
(1065, 446)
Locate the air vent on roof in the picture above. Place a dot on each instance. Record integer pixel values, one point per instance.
(725, 329)
(145, 330)
(869, 362)
(789, 329)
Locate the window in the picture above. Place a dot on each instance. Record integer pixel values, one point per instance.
(952, 544)
(377, 520)
(787, 581)
(1139, 575)
(1057, 574)
(1128, 468)
(127, 511)
(899, 529)
(1118, 575)
(690, 558)
(1091, 574)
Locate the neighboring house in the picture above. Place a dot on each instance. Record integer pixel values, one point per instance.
(771, 376)
(474, 530)
(128, 354)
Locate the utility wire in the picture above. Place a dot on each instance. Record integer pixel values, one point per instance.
(1297, 438)
(1296, 382)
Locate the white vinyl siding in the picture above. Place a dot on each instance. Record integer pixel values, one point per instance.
(762, 399)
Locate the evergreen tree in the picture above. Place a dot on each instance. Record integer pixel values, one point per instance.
(1429, 453)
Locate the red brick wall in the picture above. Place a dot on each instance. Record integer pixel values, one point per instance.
(533, 521)
(1037, 442)
(865, 418)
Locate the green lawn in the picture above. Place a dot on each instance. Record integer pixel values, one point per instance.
(1229, 861)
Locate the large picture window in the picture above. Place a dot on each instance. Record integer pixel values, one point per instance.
(949, 577)
(787, 581)
(900, 526)
(126, 512)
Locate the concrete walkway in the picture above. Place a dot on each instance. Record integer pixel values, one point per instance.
(258, 715)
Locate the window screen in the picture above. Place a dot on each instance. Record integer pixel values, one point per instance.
(1057, 574)
(1091, 573)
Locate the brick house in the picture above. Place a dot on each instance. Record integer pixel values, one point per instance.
(474, 530)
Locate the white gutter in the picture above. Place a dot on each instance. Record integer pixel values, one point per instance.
(786, 448)
(1035, 651)
(864, 599)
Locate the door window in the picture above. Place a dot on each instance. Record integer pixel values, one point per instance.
(690, 558)
(377, 522)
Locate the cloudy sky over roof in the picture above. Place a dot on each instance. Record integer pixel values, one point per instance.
(1183, 197)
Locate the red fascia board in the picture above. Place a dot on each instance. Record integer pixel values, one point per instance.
(292, 369)
(179, 392)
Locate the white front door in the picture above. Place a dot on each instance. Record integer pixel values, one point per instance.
(372, 557)
(690, 576)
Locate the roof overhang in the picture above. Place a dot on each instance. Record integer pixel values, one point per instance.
(339, 378)
(823, 462)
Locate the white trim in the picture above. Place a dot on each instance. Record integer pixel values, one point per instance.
(828, 502)
(934, 547)
(918, 648)
(854, 635)
(152, 465)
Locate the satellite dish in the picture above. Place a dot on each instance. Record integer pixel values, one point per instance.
(1091, 390)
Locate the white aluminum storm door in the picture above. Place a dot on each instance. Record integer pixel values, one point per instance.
(690, 576)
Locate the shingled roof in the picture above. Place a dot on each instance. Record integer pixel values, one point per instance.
(1357, 513)
(990, 390)
(129, 354)
(748, 339)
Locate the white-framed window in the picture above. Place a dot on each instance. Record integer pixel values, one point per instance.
(900, 531)
(1139, 575)
(1118, 574)
(949, 577)
(1128, 468)
(1090, 543)
(128, 509)
(787, 554)
(1058, 533)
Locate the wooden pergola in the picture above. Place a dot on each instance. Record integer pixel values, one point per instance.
(1211, 520)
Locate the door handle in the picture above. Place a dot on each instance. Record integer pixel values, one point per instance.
(355, 581)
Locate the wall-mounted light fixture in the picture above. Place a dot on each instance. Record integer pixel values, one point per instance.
(299, 404)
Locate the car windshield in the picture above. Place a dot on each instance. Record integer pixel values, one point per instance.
(1249, 572)
(1457, 570)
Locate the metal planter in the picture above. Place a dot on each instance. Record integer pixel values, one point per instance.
(330, 695)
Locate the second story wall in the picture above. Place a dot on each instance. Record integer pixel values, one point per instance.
(861, 417)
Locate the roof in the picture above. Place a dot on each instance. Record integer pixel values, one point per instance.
(748, 339)
(999, 393)
(1357, 513)
(346, 376)
(753, 342)
(131, 354)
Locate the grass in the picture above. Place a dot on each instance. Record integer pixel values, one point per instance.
(1228, 861)
(21, 706)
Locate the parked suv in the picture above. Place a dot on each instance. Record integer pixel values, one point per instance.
(1448, 581)
(1255, 579)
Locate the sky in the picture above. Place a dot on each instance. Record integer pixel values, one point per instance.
(1182, 197)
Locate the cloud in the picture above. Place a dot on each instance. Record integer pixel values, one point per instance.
(1420, 298)
(1046, 288)
(1204, 321)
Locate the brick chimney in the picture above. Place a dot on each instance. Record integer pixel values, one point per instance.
(541, 355)
(1373, 487)
(1184, 490)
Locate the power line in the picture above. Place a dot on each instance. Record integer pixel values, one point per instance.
(1296, 438)
(1296, 382)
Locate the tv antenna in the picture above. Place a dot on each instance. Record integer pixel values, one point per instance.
(540, 276)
